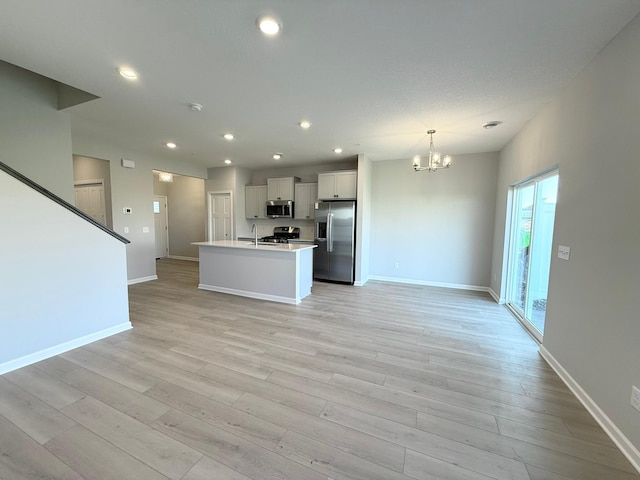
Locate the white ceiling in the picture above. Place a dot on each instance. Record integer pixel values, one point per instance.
(371, 75)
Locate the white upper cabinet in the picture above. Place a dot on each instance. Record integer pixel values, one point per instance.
(281, 188)
(255, 198)
(306, 196)
(334, 185)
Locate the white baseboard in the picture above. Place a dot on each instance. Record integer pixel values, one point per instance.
(499, 300)
(244, 293)
(361, 282)
(190, 259)
(458, 286)
(62, 348)
(133, 281)
(624, 444)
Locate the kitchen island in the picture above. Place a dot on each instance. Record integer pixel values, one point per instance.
(278, 272)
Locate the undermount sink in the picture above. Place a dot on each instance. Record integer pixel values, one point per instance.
(266, 244)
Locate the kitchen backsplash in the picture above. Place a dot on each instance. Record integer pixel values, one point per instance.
(265, 227)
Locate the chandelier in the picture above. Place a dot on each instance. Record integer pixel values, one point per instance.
(436, 161)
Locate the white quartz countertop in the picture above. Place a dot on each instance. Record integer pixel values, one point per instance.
(243, 244)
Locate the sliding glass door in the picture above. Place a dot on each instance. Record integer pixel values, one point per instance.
(530, 246)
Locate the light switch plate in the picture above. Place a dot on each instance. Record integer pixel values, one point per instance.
(145, 229)
(564, 252)
(126, 229)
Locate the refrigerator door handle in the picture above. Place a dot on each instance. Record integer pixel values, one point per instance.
(329, 232)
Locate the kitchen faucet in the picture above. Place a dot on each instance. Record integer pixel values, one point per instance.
(254, 230)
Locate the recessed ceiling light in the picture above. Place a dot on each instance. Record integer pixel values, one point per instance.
(165, 177)
(277, 156)
(128, 73)
(491, 124)
(269, 25)
(337, 150)
(196, 107)
(305, 124)
(228, 136)
(171, 145)
(227, 161)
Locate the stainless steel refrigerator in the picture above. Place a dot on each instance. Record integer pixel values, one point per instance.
(335, 235)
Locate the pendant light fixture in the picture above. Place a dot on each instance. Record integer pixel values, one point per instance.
(436, 161)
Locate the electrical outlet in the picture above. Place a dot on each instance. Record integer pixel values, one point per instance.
(635, 398)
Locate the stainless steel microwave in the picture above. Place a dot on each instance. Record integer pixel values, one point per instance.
(279, 209)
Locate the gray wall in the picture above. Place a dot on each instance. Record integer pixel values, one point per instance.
(93, 169)
(35, 136)
(438, 227)
(186, 213)
(63, 281)
(133, 187)
(592, 129)
(50, 279)
(37, 141)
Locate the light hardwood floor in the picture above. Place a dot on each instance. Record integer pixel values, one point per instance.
(383, 382)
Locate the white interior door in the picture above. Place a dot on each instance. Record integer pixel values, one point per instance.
(89, 198)
(160, 219)
(220, 216)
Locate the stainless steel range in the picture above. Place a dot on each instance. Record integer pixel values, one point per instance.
(282, 235)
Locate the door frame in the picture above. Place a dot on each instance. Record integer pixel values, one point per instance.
(210, 196)
(509, 244)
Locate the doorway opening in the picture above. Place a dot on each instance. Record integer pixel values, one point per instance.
(530, 246)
